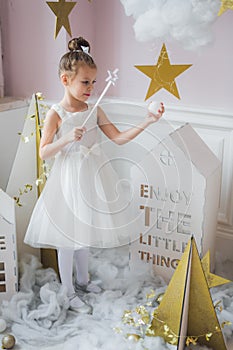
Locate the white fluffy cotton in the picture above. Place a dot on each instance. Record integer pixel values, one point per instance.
(186, 21)
(38, 316)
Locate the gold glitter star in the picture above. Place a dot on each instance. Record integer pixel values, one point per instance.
(61, 9)
(163, 74)
(225, 5)
(212, 279)
(191, 340)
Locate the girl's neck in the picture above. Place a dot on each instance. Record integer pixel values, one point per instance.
(73, 105)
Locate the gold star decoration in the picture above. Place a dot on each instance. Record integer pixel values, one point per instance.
(163, 74)
(61, 9)
(212, 279)
(225, 5)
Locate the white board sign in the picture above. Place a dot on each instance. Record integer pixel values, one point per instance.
(8, 252)
(175, 196)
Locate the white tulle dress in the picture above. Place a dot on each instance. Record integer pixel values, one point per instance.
(81, 203)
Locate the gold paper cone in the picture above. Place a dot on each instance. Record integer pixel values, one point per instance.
(48, 256)
(186, 312)
(225, 5)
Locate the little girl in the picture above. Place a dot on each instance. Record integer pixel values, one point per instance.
(77, 198)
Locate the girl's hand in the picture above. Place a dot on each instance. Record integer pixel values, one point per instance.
(76, 134)
(154, 116)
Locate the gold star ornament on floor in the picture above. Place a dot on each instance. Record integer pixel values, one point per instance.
(225, 5)
(61, 9)
(163, 74)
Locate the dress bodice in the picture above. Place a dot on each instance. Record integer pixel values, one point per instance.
(76, 119)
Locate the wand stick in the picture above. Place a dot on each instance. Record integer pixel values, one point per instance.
(111, 79)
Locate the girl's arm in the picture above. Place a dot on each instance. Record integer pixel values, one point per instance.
(122, 137)
(48, 148)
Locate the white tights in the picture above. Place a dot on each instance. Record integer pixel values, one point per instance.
(67, 258)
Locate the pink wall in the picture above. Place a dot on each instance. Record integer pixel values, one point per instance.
(31, 54)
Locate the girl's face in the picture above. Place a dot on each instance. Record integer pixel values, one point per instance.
(81, 85)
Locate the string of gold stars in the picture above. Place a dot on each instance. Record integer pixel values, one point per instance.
(225, 5)
(61, 9)
(140, 319)
(163, 74)
(27, 188)
(43, 168)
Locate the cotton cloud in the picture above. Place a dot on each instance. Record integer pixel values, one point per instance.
(38, 315)
(186, 21)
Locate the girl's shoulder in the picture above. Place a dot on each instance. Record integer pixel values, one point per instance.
(58, 109)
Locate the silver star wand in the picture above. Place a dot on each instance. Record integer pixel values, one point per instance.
(111, 80)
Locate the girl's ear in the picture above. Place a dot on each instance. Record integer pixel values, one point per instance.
(64, 79)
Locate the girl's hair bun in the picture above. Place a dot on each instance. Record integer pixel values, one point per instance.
(77, 56)
(77, 43)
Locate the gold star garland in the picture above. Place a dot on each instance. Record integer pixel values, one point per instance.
(43, 168)
(27, 188)
(140, 319)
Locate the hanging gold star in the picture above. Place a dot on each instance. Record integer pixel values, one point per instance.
(212, 279)
(61, 9)
(163, 74)
(225, 5)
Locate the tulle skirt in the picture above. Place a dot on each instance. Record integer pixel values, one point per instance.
(82, 204)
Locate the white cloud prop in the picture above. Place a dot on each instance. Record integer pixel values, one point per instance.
(186, 21)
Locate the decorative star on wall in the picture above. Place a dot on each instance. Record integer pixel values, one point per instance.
(61, 9)
(163, 74)
(225, 5)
